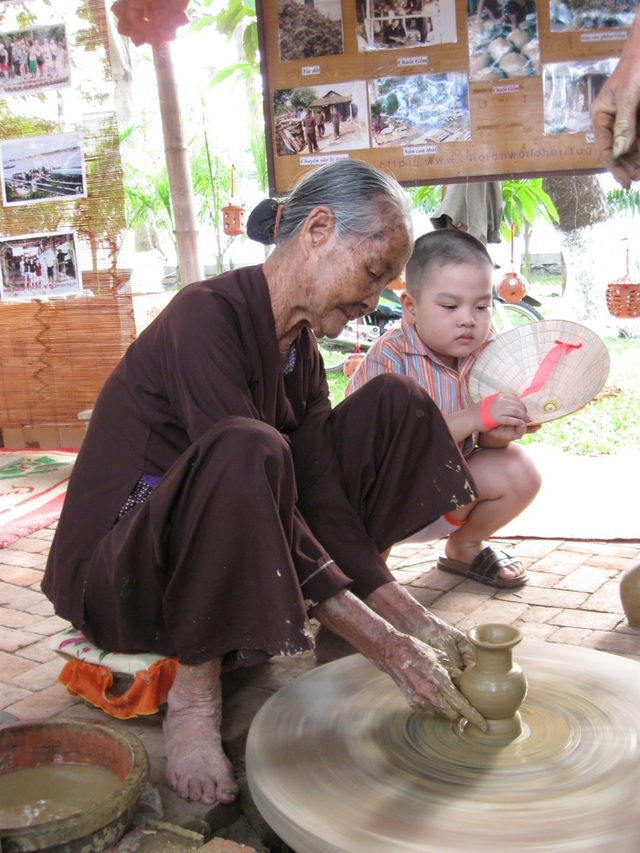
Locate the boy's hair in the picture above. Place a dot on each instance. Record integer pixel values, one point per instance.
(442, 247)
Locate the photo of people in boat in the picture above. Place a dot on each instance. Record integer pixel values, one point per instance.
(34, 59)
(42, 168)
(38, 266)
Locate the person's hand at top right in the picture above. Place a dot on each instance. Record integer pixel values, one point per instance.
(615, 114)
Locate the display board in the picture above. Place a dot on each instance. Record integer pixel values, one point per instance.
(436, 91)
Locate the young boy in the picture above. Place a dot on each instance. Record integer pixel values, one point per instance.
(446, 325)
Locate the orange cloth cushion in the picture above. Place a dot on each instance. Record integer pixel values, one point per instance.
(149, 689)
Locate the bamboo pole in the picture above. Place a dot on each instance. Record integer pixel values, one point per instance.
(180, 184)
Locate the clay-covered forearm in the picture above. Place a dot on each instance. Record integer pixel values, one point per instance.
(419, 669)
(351, 619)
(398, 607)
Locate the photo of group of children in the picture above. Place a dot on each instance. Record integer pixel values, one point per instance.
(38, 169)
(34, 59)
(37, 265)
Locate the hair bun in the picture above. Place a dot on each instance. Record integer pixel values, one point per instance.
(261, 222)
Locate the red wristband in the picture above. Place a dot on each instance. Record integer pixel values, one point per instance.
(485, 415)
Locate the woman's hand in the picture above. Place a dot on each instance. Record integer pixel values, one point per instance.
(419, 671)
(422, 661)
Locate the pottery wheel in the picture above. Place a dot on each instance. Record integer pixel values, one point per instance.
(337, 762)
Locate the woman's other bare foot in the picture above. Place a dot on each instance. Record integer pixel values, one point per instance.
(197, 768)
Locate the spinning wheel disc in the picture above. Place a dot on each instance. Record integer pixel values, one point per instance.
(337, 762)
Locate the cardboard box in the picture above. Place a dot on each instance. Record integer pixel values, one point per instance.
(44, 436)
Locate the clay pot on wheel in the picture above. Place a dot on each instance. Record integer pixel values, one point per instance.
(494, 684)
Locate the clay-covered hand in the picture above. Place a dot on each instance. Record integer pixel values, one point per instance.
(615, 125)
(455, 652)
(615, 111)
(418, 671)
(401, 610)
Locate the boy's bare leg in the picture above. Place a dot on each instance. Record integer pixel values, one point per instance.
(197, 768)
(507, 481)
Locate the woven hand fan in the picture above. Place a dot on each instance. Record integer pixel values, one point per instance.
(556, 366)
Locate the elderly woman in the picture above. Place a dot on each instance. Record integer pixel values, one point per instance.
(218, 502)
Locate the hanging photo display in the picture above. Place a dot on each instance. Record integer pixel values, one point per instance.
(382, 25)
(420, 109)
(321, 119)
(436, 91)
(581, 15)
(310, 29)
(34, 59)
(38, 266)
(42, 168)
(503, 40)
(569, 90)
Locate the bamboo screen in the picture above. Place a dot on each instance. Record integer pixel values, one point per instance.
(58, 343)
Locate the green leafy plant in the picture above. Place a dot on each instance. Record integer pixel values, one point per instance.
(524, 201)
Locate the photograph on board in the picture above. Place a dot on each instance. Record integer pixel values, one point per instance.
(569, 90)
(384, 25)
(420, 109)
(34, 59)
(567, 15)
(503, 40)
(309, 28)
(321, 119)
(37, 266)
(42, 168)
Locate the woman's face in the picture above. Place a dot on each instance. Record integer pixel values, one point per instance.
(350, 274)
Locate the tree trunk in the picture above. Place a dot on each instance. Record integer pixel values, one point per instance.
(586, 246)
(180, 183)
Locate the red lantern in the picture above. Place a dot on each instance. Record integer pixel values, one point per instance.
(150, 21)
(512, 287)
(233, 219)
(233, 215)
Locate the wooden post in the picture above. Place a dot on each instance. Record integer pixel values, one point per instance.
(180, 183)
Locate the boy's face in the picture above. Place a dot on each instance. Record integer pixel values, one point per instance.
(453, 312)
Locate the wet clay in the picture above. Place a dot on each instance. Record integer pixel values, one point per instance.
(36, 795)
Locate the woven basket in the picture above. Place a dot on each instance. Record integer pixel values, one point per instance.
(512, 362)
(623, 298)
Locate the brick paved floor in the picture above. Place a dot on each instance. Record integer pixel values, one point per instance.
(572, 598)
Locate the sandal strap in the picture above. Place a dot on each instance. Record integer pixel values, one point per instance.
(488, 563)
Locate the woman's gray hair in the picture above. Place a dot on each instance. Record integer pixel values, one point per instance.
(361, 198)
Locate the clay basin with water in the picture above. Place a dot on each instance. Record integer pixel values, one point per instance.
(92, 777)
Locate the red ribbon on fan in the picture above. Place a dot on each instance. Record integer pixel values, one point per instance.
(541, 375)
(150, 21)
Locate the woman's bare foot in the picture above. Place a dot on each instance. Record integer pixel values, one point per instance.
(197, 768)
